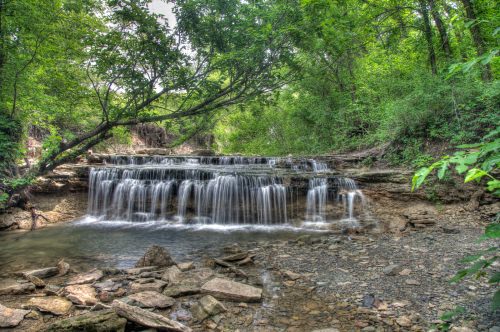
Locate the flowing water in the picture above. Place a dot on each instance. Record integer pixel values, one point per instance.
(191, 206)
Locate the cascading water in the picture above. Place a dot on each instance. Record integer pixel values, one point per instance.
(217, 190)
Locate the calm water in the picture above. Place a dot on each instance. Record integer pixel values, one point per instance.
(88, 243)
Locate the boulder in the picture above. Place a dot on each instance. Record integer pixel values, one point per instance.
(53, 304)
(12, 287)
(11, 317)
(42, 273)
(206, 307)
(86, 278)
(172, 274)
(147, 318)
(155, 256)
(231, 290)
(100, 321)
(154, 285)
(150, 299)
(81, 294)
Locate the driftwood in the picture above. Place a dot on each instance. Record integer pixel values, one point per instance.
(147, 318)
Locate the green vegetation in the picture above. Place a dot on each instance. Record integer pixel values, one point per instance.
(480, 163)
(264, 77)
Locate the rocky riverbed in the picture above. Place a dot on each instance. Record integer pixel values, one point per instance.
(357, 282)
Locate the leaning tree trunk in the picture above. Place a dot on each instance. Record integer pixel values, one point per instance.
(428, 35)
(477, 38)
(443, 34)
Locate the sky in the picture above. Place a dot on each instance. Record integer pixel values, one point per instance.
(164, 8)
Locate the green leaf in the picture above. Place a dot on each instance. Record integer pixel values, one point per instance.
(448, 316)
(459, 275)
(496, 300)
(474, 174)
(461, 168)
(442, 170)
(492, 231)
(495, 278)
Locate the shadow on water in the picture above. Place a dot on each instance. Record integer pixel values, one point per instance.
(89, 243)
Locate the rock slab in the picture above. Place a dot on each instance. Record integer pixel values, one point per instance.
(11, 317)
(147, 318)
(81, 294)
(231, 290)
(100, 321)
(12, 287)
(150, 299)
(86, 278)
(54, 304)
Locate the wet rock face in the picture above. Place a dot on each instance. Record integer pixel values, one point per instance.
(101, 321)
(11, 317)
(156, 256)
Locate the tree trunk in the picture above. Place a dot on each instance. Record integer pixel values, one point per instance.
(443, 35)
(477, 37)
(428, 35)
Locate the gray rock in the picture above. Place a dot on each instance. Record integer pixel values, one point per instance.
(62, 268)
(42, 273)
(231, 290)
(12, 287)
(156, 256)
(154, 285)
(100, 321)
(147, 318)
(35, 280)
(189, 286)
(206, 307)
(392, 269)
(107, 285)
(150, 299)
(86, 278)
(139, 270)
(11, 317)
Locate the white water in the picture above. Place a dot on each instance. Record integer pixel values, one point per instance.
(215, 191)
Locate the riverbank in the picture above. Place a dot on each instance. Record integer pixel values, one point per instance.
(349, 283)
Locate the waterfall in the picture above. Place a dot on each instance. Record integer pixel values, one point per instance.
(217, 190)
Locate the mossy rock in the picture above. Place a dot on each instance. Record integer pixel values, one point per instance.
(99, 321)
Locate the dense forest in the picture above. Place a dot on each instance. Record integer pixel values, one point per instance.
(263, 77)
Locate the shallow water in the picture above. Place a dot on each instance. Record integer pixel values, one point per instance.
(90, 243)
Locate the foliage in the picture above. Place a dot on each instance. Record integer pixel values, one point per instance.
(477, 162)
(448, 317)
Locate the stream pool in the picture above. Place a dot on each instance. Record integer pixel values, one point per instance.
(88, 243)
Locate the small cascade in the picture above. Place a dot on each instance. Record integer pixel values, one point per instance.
(219, 190)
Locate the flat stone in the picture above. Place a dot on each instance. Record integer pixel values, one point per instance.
(206, 307)
(186, 266)
(53, 304)
(86, 278)
(172, 274)
(231, 290)
(412, 282)
(99, 321)
(156, 256)
(107, 285)
(155, 286)
(187, 287)
(11, 317)
(139, 270)
(12, 287)
(235, 257)
(81, 294)
(146, 318)
(292, 275)
(392, 270)
(331, 329)
(42, 273)
(150, 299)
